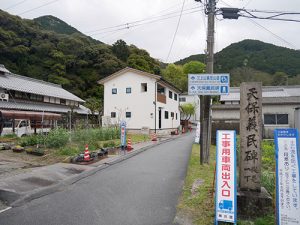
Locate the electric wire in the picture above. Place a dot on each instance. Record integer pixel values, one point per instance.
(15, 5)
(38, 7)
(138, 21)
(177, 26)
(140, 24)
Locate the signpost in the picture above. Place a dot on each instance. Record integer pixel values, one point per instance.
(123, 134)
(287, 176)
(208, 84)
(226, 186)
(197, 137)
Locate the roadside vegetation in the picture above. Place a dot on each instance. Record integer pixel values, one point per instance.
(196, 203)
(59, 144)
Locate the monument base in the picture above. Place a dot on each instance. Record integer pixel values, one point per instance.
(253, 204)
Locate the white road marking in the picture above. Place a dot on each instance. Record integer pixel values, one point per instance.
(3, 210)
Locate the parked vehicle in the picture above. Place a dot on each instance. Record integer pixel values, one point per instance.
(24, 123)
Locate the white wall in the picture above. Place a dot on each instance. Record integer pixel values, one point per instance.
(194, 99)
(139, 103)
(171, 105)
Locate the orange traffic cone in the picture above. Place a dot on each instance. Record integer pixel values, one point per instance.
(86, 153)
(129, 146)
(154, 138)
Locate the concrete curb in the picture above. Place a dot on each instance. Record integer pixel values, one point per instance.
(40, 192)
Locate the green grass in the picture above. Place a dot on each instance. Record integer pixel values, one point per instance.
(200, 208)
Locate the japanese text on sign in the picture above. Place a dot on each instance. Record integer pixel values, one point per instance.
(287, 171)
(226, 177)
(208, 84)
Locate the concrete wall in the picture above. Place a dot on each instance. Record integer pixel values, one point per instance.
(297, 119)
(139, 103)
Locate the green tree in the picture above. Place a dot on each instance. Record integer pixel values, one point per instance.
(280, 78)
(187, 110)
(174, 74)
(121, 50)
(96, 107)
(194, 67)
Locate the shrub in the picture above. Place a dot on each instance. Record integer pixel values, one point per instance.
(57, 138)
(31, 140)
(68, 151)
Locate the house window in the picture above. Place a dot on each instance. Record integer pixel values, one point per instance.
(170, 94)
(275, 119)
(172, 115)
(128, 90)
(113, 114)
(182, 99)
(128, 114)
(114, 91)
(63, 101)
(176, 116)
(166, 115)
(175, 97)
(144, 87)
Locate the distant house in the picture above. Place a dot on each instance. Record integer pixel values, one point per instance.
(143, 100)
(193, 99)
(24, 93)
(279, 104)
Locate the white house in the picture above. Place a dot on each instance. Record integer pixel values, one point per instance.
(278, 108)
(143, 100)
(193, 99)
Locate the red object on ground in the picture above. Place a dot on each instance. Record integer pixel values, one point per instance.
(129, 146)
(183, 130)
(86, 153)
(154, 138)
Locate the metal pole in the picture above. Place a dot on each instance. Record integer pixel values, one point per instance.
(206, 122)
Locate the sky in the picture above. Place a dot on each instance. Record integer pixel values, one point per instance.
(109, 21)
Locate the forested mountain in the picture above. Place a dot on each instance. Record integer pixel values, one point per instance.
(252, 60)
(60, 54)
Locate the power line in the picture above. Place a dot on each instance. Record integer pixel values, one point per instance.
(177, 26)
(14, 5)
(139, 21)
(128, 26)
(27, 11)
(275, 35)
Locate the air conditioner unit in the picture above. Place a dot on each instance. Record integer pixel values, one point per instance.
(3, 97)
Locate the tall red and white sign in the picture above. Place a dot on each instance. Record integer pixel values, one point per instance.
(226, 186)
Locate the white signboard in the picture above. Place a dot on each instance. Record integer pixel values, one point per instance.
(225, 202)
(208, 84)
(197, 137)
(287, 176)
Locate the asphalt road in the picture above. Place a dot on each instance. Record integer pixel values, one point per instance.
(141, 190)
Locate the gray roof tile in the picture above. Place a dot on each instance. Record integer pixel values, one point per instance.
(15, 82)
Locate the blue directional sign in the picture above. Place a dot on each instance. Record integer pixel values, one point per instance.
(209, 84)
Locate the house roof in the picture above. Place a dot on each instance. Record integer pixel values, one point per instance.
(128, 69)
(269, 94)
(16, 82)
(39, 106)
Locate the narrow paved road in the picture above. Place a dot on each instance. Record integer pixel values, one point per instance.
(141, 190)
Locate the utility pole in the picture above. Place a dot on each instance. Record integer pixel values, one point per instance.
(205, 135)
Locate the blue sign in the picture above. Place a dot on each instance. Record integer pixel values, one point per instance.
(123, 133)
(287, 176)
(209, 84)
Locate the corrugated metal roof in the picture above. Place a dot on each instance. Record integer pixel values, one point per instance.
(15, 82)
(24, 105)
(276, 92)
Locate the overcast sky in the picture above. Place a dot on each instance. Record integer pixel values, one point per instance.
(156, 33)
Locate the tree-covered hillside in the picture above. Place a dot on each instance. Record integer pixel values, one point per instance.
(252, 60)
(74, 60)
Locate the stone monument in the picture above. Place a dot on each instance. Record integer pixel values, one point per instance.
(253, 199)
